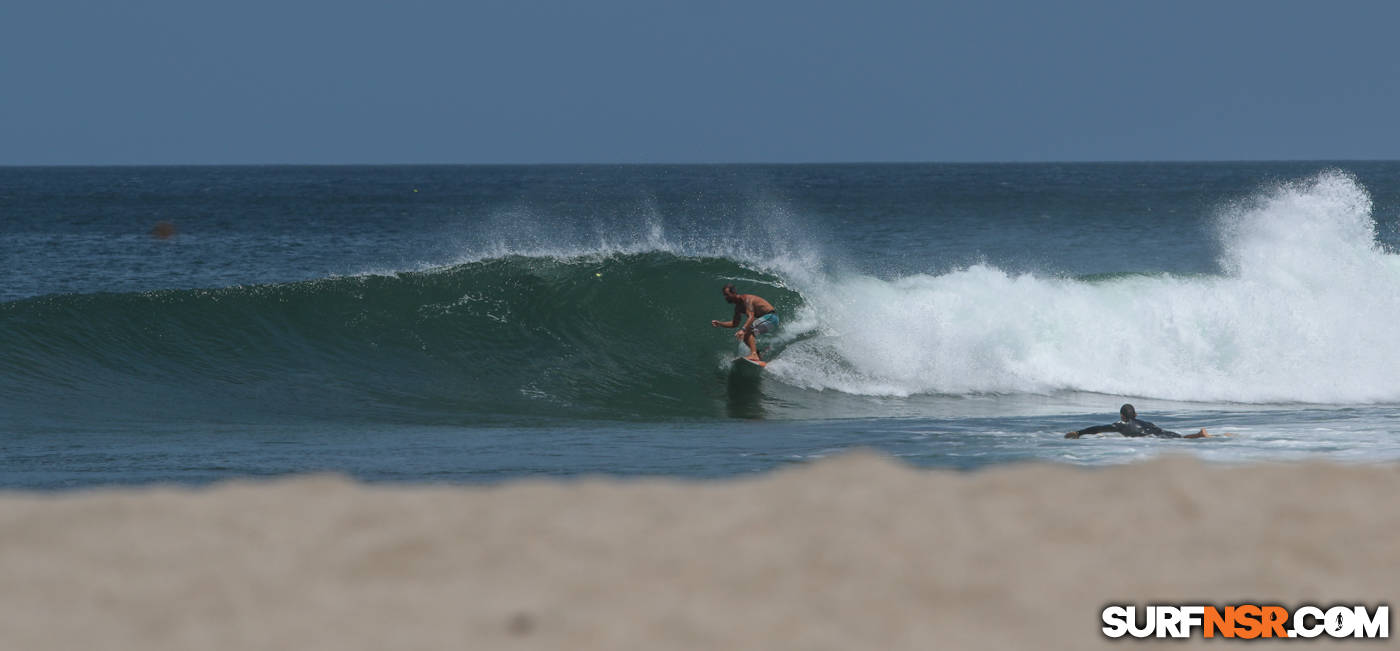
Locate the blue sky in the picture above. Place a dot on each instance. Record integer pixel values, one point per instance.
(656, 81)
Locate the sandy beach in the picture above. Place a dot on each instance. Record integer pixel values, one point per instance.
(856, 552)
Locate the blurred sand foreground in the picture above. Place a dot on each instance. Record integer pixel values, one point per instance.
(857, 552)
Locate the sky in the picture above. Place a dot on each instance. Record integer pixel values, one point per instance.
(715, 81)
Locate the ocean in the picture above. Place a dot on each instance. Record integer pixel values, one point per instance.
(470, 324)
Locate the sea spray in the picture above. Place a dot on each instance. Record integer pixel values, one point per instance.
(1303, 312)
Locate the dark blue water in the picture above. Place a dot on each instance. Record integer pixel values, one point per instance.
(189, 324)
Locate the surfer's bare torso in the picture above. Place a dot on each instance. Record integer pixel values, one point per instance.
(751, 305)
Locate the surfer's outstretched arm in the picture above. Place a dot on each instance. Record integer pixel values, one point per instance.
(1097, 429)
(732, 323)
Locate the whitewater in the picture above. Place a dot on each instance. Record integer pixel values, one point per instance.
(1303, 312)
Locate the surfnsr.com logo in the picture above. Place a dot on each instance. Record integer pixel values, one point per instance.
(1246, 621)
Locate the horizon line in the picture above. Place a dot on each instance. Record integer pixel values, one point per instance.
(1124, 161)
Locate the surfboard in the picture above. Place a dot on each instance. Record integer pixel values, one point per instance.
(759, 364)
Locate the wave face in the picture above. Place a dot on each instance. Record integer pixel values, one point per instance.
(1302, 312)
(618, 336)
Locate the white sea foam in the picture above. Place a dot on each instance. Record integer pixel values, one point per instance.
(1305, 312)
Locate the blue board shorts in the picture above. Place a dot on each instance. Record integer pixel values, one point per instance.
(765, 324)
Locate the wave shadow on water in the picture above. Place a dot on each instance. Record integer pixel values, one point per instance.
(744, 392)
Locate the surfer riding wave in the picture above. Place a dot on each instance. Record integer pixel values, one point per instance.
(758, 317)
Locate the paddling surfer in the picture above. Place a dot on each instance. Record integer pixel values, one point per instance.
(1129, 425)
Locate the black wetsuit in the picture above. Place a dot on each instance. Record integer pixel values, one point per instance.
(1132, 427)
